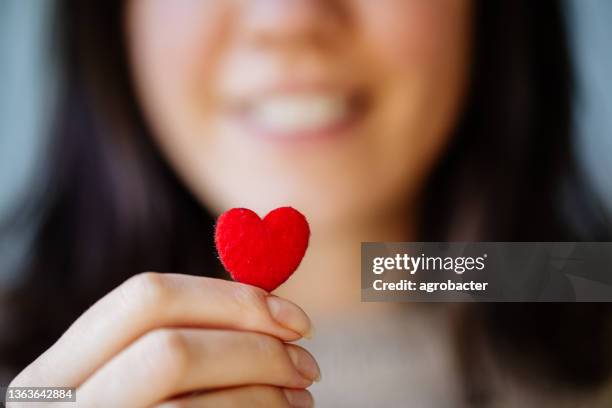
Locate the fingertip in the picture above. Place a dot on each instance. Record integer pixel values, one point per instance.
(289, 315)
(298, 398)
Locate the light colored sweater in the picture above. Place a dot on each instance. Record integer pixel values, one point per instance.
(404, 358)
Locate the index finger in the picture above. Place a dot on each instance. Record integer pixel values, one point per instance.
(153, 300)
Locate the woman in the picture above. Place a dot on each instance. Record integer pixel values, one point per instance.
(381, 121)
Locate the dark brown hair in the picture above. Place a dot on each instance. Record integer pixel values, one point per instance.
(111, 206)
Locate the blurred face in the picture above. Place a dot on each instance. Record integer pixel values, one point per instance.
(339, 108)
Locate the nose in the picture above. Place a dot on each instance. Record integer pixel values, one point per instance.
(278, 22)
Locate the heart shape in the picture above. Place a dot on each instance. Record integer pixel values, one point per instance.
(258, 252)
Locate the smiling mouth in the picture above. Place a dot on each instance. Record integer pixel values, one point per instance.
(298, 115)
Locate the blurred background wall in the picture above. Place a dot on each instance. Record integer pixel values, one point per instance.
(28, 84)
(592, 48)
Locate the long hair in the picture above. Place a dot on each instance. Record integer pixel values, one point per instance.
(112, 207)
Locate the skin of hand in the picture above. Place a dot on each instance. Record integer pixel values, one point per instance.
(174, 340)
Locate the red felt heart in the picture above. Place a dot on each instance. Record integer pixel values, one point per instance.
(260, 252)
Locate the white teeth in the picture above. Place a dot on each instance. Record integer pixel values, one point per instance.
(292, 114)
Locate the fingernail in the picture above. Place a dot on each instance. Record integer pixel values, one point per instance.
(299, 398)
(305, 363)
(289, 315)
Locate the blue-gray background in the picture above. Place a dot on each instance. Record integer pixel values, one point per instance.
(27, 85)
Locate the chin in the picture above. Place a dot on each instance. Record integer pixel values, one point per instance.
(325, 211)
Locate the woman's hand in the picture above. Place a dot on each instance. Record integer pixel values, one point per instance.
(175, 340)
